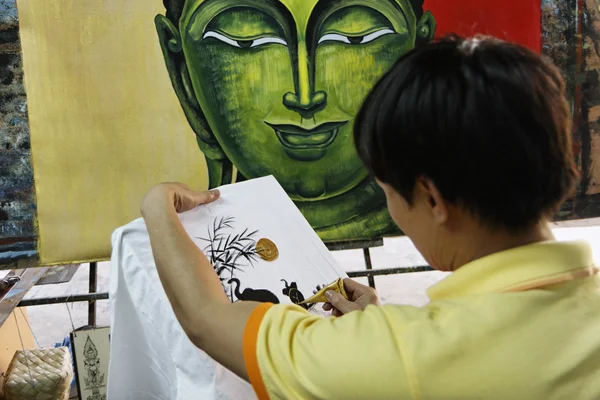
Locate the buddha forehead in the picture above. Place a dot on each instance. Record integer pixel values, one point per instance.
(301, 10)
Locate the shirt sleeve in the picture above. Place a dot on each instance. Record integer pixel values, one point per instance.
(292, 354)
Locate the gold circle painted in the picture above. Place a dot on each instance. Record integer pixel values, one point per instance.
(267, 250)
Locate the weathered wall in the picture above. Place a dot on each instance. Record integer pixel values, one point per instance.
(571, 37)
(17, 199)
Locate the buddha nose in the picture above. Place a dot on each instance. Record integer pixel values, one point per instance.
(308, 107)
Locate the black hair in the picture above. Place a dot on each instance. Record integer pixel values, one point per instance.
(417, 6)
(175, 9)
(487, 121)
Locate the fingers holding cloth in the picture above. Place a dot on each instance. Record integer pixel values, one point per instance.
(176, 195)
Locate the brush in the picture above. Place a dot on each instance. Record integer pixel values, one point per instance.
(319, 297)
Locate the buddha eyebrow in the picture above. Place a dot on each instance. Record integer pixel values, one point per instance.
(328, 4)
(280, 12)
(273, 8)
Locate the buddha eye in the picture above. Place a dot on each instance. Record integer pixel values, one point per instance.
(267, 40)
(244, 44)
(336, 37)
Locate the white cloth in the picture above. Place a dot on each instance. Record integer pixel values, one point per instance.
(151, 357)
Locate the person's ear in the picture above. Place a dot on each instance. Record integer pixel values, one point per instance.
(426, 27)
(219, 167)
(434, 201)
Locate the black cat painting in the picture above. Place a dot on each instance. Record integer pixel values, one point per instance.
(291, 290)
(259, 295)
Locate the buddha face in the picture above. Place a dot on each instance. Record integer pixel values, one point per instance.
(279, 82)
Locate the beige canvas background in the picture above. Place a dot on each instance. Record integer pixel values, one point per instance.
(105, 122)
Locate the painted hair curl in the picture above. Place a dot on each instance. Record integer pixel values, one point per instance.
(175, 8)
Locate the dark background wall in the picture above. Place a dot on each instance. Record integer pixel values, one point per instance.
(17, 198)
(571, 37)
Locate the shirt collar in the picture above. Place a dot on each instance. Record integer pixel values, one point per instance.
(521, 268)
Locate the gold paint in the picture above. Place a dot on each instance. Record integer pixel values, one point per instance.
(319, 297)
(105, 122)
(267, 250)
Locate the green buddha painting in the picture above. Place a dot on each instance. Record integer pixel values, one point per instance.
(272, 87)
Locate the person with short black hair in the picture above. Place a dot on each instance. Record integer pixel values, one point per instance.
(485, 120)
(470, 141)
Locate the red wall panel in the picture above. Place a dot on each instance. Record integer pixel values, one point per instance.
(514, 20)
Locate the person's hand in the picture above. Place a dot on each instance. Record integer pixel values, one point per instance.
(176, 195)
(360, 296)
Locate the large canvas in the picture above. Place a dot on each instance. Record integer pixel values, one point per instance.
(121, 95)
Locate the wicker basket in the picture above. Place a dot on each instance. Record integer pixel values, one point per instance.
(40, 374)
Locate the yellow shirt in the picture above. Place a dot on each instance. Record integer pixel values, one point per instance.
(519, 324)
